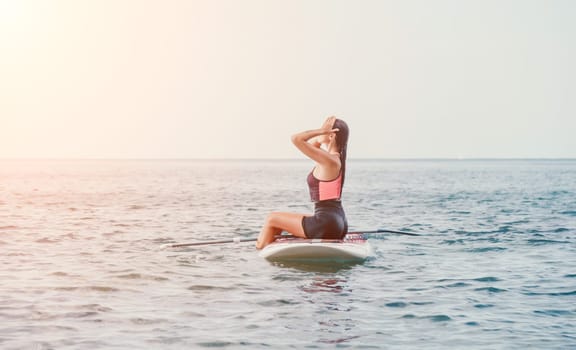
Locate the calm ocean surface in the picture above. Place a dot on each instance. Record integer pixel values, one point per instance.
(82, 265)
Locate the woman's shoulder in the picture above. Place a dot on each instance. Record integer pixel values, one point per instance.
(330, 160)
(327, 171)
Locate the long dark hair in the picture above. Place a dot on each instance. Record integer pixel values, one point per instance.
(342, 143)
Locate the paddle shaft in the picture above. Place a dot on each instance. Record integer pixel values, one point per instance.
(233, 240)
(389, 231)
(238, 239)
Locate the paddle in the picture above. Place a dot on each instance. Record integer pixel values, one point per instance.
(389, 231)
(239, 239)
(233, 240)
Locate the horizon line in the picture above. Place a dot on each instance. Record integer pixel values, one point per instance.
(278, 159)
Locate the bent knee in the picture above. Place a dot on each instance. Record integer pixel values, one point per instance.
(273, 219)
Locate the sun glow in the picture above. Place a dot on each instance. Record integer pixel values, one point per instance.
(11, 11)
(19, 20)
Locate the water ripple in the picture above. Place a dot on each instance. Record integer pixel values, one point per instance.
(493, 267)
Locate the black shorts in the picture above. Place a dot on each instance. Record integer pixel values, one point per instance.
(328, 222)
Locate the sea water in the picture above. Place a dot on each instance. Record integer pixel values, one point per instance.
(82, 263)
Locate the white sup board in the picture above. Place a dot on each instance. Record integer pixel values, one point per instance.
(354, 247)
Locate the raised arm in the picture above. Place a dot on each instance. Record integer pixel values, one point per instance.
(305, 143)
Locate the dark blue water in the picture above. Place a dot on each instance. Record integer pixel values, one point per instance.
(81, 264)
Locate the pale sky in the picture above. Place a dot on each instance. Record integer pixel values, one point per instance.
(236, 78)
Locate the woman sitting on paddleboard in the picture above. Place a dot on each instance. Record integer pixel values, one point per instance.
(325, 183)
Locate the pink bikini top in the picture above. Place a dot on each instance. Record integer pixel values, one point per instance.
(324, 190)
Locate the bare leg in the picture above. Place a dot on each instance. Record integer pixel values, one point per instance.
(276, 222)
